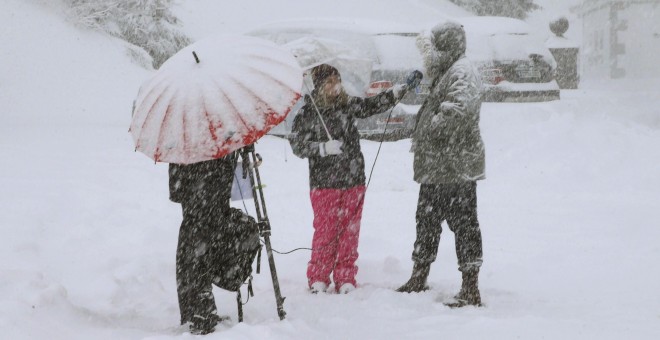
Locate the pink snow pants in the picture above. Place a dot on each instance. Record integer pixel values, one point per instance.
(337, 215)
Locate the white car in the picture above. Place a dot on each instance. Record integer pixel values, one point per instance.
(391, 48)
(514, 64)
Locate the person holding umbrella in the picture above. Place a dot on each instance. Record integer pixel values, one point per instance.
(204, 191)
(324, 132)
(213, 98)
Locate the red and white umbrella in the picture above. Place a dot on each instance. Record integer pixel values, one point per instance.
(213, 97)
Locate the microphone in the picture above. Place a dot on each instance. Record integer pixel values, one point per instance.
(414, 79)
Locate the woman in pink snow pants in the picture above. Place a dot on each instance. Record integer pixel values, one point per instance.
(336, 173)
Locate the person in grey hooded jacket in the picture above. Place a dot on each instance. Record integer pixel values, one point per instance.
(449, 158)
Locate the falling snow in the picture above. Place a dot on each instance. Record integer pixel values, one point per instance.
(568, 212)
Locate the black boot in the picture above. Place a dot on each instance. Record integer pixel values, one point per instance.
(417, 282)
(205, 316)
(202, 325)
(469, 294)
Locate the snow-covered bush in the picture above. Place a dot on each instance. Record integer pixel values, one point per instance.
(148, 24)
(506, 8)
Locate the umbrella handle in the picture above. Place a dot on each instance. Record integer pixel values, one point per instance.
(321, 118)
(318, 112)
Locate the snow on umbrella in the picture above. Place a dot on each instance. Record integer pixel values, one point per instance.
(213, 97)
(353, 66)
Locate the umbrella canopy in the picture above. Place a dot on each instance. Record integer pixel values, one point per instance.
(213, 97)
(353, 66)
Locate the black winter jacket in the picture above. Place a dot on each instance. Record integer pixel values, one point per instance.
(203, 185)
(341, 171)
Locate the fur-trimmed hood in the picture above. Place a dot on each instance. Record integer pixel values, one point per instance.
(441, 47)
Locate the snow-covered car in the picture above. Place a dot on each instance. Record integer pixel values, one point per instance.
(515, 65)
(391, 48)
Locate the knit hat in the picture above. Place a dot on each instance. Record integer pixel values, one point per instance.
(321, 72)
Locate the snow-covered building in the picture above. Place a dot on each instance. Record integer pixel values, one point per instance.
(621, 39)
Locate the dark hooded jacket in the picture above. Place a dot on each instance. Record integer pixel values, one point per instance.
(341, 171)
(447, 142)
(203, 186)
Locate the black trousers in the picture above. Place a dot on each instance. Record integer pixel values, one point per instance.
(455, 203)
(193, 278)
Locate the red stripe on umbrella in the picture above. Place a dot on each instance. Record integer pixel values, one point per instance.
(234, 91)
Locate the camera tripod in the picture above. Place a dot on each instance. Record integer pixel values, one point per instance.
(251, 162)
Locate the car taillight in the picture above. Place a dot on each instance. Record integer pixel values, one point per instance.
(492, 76)
(378, 87)
(396, 120)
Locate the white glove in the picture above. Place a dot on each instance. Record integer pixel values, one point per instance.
(331, 147)
(399, 90)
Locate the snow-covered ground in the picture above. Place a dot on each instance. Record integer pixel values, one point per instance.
(569, 215)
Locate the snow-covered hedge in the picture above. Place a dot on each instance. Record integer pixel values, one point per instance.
(507, 8)
(148, 24)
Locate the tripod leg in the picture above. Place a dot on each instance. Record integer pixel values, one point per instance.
(239, 301)
(276, 284)
(264, 223)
